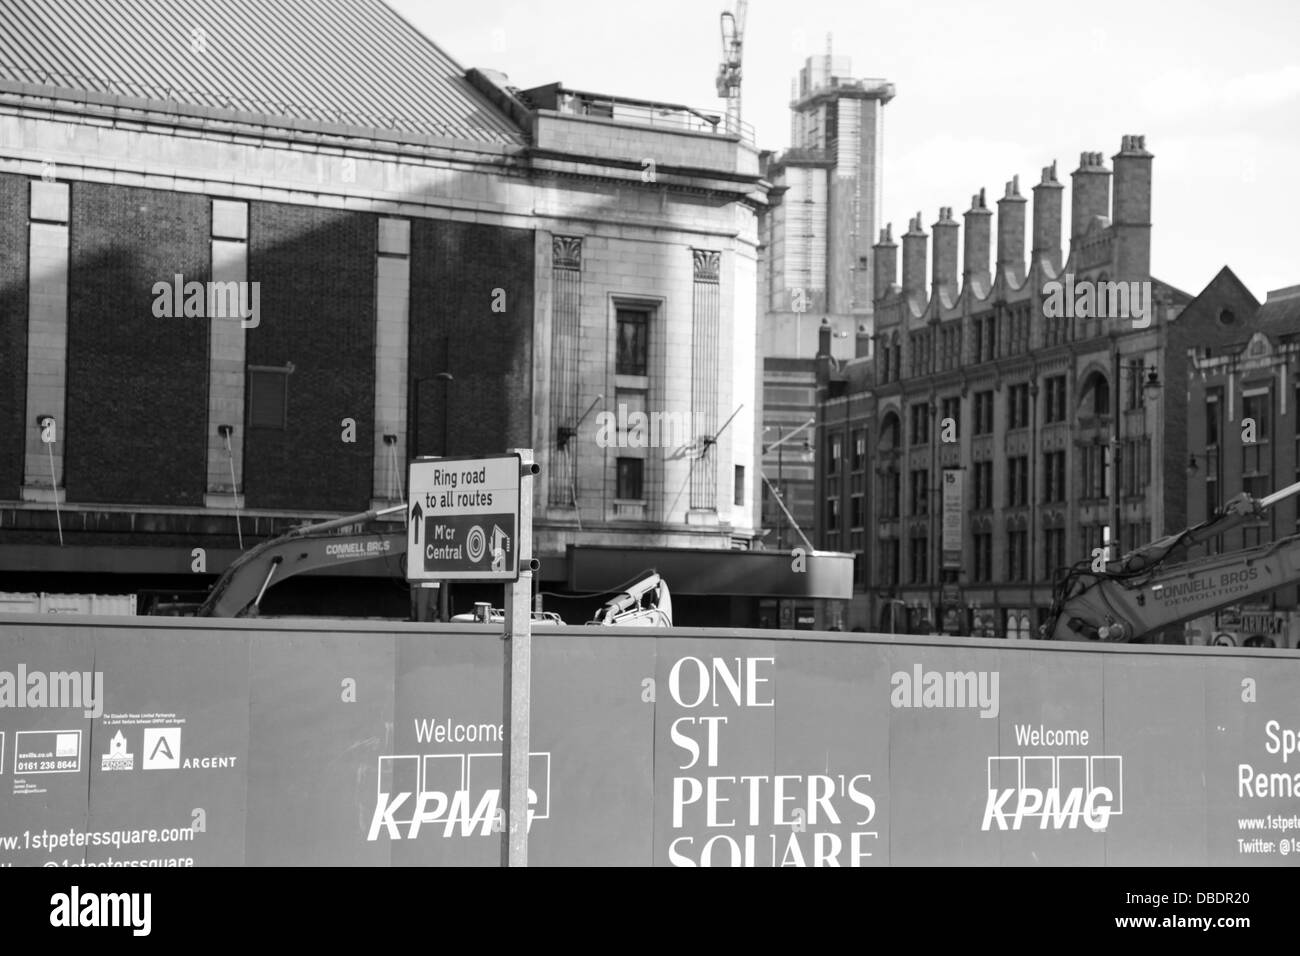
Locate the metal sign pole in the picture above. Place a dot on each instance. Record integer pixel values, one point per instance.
(517, 676)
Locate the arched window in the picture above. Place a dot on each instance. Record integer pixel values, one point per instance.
(1095, 395)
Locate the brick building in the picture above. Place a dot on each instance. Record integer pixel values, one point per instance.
(1025, 411)
(457, 268)
(1244, 435)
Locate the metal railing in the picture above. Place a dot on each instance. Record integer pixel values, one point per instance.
(650, 113)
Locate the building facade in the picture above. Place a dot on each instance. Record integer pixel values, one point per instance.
(1244, 436)
(815, 266)
(457, 270)
(1024, 415)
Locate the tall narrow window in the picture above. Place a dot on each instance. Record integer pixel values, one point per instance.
(633, 341)
(268, 397)
(631, 473)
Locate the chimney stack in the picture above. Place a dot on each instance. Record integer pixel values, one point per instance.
(1131, 209)
(824, 338)
(1089, 193)
(1047, 219)
(1011, 232)
(944, 276)
(979, 230)
(884, 264)
(914, 259)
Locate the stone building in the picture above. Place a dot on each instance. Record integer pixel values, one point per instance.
(441, 264)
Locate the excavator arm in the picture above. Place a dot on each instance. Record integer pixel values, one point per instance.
(646, 603)
(239, 590)
(1144, 592)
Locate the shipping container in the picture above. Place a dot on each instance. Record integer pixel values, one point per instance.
(46, 603)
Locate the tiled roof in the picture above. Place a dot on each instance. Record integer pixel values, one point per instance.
(354, 63)
(1281, 310)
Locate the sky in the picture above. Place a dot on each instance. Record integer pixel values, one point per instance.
(984, 91)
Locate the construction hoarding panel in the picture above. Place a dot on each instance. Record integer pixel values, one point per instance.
(357, 743)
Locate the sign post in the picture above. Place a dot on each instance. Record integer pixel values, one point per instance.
(471, 519)
(516, 685)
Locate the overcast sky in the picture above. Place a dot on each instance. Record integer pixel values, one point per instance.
(984, 90)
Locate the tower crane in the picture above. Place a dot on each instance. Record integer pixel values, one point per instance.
(733, 39)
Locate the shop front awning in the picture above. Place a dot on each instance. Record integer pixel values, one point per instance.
(814, 574)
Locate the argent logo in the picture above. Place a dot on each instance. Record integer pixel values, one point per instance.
(162, 748)
(946, 689)
(53, 689)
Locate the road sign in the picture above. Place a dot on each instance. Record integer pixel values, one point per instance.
(464, 519)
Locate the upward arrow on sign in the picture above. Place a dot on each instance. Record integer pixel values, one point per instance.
(416, 515)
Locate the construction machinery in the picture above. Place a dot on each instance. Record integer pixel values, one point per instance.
(648, 603)
(729, 75)
(239, 591)
(1154, 587)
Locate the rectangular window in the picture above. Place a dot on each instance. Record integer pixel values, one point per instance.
(1257, 408)
(983, 413)
(833, 513)
(920, 491)
(632, 342)
(983, 547)
(859, 450)
(983, 485)
(1054, 399)
(889, 563)
(951, 409)
(1095, 471)
(1017, 553)
(920, 554)
(834, 452)
(858, 511)
(1017, 481)
(268, 397)
(1053, 551)
(739, 484)
(920, 423)
(1018, 406)
(1054, 476)
(890, 482)
(631, 472)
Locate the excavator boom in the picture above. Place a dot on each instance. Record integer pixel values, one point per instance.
(307, 548)
(1140, 593)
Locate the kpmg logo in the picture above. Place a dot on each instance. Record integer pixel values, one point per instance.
(1055, 791)
(215, 300)
(956, 689)
(53, 689)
